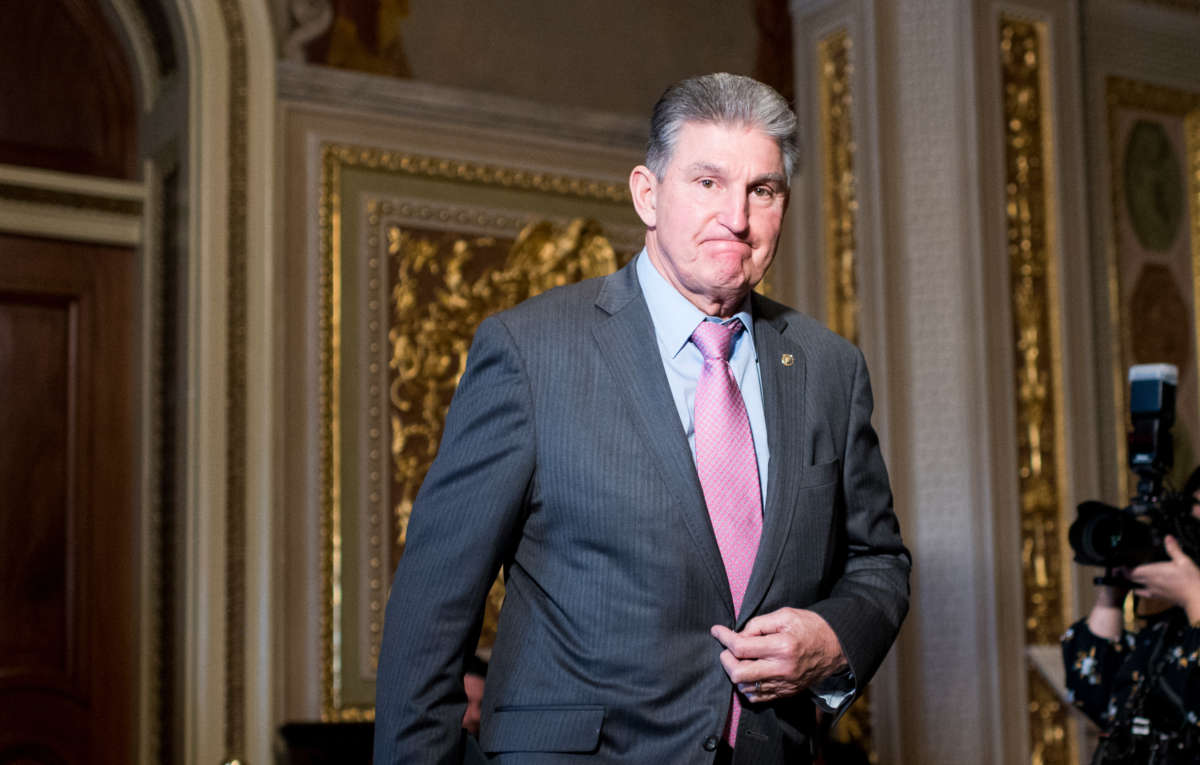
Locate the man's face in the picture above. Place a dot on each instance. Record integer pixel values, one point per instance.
(713, 220)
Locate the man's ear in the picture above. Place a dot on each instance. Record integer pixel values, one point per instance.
(643, 185)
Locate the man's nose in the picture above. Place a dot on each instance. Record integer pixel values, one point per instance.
(734, 213)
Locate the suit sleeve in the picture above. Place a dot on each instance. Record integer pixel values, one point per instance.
(465, 515)
(869, 601)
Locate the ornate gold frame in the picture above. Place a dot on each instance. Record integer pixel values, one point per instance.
(1031, 216)
(839, 219)
(336, 161)
(839, 183)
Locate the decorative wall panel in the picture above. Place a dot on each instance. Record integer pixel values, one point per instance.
(1154, 258)
(839, 208)
(839, 183)
(415, 252)
(1030, 221)
(68, 648)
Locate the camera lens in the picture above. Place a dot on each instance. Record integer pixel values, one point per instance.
(1106, 536)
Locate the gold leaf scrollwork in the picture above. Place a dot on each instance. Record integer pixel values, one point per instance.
(1029, 223)
(840, 215)
(443, 287)
(840, 183)
(388, 498)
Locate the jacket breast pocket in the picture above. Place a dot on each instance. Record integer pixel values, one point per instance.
(818, 475)
(543, 729)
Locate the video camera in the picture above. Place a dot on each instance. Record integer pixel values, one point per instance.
(1103, 535)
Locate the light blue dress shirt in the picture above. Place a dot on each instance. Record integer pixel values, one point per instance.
(675, 318)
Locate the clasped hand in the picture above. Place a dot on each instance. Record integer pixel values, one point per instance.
(780, 654)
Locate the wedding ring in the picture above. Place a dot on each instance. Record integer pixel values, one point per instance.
(757, 686)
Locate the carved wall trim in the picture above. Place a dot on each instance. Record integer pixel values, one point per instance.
(31, 184)
(1031, 220)
(485, 174)
(147, 66)
(308, 20)
(839, 272)
(839, 185)
(75, 207)
(235, 391)
(392, 97)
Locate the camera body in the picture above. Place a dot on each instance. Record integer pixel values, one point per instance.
(1103, 535)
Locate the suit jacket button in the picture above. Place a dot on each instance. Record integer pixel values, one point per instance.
(710, 744)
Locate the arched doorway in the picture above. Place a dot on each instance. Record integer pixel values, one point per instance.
(193, 215)
(69, 403)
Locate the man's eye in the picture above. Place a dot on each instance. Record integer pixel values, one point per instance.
(707, 183)
(765, 192)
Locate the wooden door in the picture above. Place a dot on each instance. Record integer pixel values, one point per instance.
(68, 528)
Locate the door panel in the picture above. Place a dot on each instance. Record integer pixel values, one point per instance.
(68, 567)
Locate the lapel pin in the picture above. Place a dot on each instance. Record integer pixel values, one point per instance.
(787, 359)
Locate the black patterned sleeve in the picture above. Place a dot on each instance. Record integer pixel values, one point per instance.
(1091, 665)
(1182, 675)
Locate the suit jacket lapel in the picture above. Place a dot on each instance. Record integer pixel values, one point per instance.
(783, 407)
(626, 340)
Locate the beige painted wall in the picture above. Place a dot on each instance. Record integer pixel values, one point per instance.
(613, 55)
(607, 55)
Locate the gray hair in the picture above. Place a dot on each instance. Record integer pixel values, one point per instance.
(721, 99)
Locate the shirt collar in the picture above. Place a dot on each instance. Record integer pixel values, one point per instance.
(675, 318)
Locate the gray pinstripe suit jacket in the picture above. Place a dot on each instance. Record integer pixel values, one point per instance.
(564, 460)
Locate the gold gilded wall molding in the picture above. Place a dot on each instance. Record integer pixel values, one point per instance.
(377, 442)
(329, 450)
(1122, 94)
(839, 216)
(839, 184)
(400, 247)
(431, 331)
(478, 173)
(489, 221)
(235, 448)
(1030, 213)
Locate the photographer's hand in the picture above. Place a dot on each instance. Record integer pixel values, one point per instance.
(1176, 580)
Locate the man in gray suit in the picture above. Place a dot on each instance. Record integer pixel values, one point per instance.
(682, 484)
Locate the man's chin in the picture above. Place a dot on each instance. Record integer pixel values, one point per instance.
(735, 281)
(733, 292)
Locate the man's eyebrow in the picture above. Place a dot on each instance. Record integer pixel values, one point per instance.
(711, 168)
(705, 168)
(776, 178)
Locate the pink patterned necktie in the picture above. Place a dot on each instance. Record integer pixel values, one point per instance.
(727, 467)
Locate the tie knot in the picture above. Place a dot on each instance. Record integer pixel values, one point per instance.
(715, 339)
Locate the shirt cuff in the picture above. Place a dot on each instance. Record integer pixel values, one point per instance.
(835, 691)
